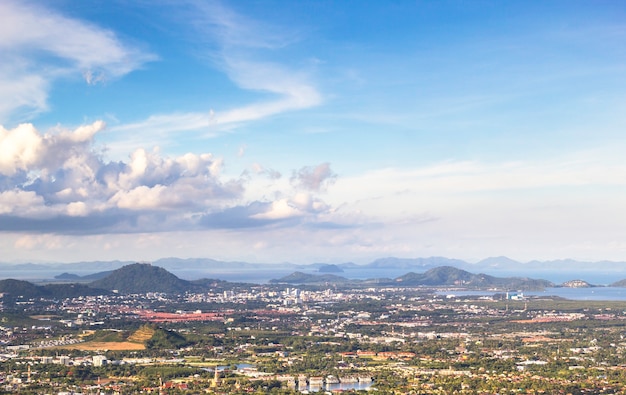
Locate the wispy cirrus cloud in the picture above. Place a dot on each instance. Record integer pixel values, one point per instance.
(40, 45)
(238, 46)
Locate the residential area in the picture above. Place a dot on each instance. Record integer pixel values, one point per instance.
(286, 339)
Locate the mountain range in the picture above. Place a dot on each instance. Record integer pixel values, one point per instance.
(143, 278)
(442, 276)
(602, 272)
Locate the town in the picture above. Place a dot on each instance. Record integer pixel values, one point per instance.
(281, 338)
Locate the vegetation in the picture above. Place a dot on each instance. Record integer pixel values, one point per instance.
(142, 278)
(409, 340)
(451, 276)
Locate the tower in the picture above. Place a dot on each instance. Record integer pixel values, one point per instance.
(216, 379)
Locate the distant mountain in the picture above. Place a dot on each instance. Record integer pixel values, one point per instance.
(330, 269)
(67, 277)
(92, 266)
(619, 284)
(574, 266)
(96, 276)
(600, 272)
(451, 276)
(212, 265)
(498, 261)
(348, 265)
(442, 276)
(142, 278)
(416, 263)
(88, 277)
(305, 278)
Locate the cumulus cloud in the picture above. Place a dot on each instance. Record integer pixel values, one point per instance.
(59, 182)
(40, 45)
(60, 176)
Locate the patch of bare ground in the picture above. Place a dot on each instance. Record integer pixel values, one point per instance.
(142, 335)
(102, 346)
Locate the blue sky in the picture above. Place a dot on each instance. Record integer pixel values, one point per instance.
(310, 131)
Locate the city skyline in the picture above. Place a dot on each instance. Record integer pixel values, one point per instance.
(272, 131)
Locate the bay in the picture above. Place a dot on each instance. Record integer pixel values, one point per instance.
(592, 293)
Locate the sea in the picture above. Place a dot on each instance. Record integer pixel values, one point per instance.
(592, 293)
(264, 276)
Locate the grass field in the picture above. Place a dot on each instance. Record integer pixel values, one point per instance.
(142, 334)
(113, 341)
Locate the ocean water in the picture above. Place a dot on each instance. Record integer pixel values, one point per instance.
(264, 276)
(594, 293)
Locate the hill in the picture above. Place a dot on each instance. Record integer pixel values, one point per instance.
(87, 278)
(146, 337)
(451, 276)
(163, 339)
(62, 291)
(67, 277)
(619, 284)
(142, 278)
(443, 276)
(18, 289)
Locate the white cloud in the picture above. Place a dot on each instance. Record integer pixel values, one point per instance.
(19, 148)
(77, 209)
(42, 242)
(57, 182)
(60, 173)
(40, 45)
(141, 197)
(280, 209)
(18, 202)
(25, 149)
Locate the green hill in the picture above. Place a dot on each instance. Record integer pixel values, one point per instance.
(62, 291)
(163, 339)
(450, 276)
(18, 289)
(142, 278)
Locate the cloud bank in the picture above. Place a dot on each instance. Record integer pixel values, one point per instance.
(59, 182)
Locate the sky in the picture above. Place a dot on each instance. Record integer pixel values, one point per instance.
(312, 131)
